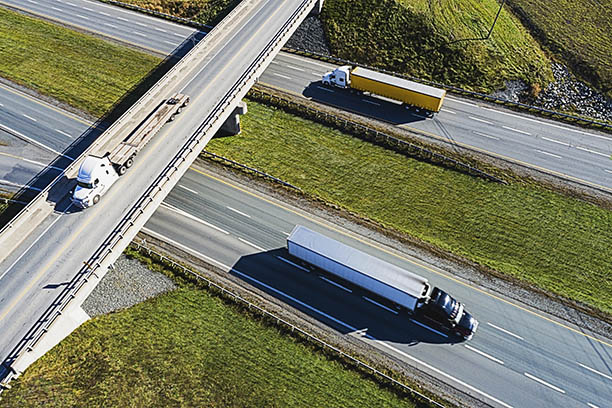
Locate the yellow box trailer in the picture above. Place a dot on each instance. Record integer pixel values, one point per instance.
(399, 89)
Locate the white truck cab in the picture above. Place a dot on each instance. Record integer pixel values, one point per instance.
(95, 177)
(339, 77)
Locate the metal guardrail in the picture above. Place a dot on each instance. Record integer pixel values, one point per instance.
(251, 169)
(141, 247)
(111, 246)
(373, 135)
(464, 92)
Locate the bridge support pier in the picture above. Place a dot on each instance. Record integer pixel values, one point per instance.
(318, 7)
(231, 126)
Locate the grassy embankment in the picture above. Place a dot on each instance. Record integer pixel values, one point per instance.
(188, 348)
(399, 34)
(78, 69)
(202, 11)
(559, 244)
(579, 32)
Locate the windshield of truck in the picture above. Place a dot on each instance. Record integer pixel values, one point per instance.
(85, 185)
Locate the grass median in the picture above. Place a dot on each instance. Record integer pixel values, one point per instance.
(559, 244)
(74, 68)
(188, 348)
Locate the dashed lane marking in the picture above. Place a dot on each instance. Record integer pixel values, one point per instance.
(501, 329)
(482, 353)
(480, 120)
(63, 133)
(372, 102)
(554, 387)
(549, 154)
(193, 217)
(485, 135)
(294, 68)
(237, 211)
(449, 111)
(29, 117)
(428, 328)
(516, 130)
(293, 263)
(555, 141)
(83, 17)
(110, 25)
(188, 189)
(139, 33)
(325, 89)
(595, 371)
(584, 149)
(331, 282)
(251, 244)
(281, 75)
(367, 299)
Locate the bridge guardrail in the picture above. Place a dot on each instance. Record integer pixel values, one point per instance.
(129, 225)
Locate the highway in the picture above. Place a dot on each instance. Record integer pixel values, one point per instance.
(564, 150)
(518, 357)
(232, 227)
(33, 275)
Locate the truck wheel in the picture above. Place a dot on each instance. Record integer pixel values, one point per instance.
(122, 170)
(96, 199)
(129, 162)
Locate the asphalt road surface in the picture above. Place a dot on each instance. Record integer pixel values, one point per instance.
(567, 151)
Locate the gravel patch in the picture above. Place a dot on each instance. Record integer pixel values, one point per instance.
(310, 36)
(129, 283)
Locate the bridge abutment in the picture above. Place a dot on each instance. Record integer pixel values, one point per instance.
(231, 126)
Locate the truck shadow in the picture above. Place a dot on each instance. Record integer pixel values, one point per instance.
(72, 151)
(371, 106)
(328, 300)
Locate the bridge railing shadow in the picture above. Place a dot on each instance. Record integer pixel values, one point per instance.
(52, 174)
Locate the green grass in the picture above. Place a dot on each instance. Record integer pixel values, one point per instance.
(188, 348)
(202, 11)
(579, 32)
(399, 34)
(559, 244)
(74, 68)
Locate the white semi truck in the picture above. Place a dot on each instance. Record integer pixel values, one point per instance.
(403, 289)
(97, 174)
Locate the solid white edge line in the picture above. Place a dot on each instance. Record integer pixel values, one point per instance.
(505, 331)
(367, 299)
(533, 377)
(516, 130)
(281, 75)
(482, 353)
(292, 263)
(480, 120)
(188, 189)
(237, 211)
(549, 154)
(331, 282)
(556, 141)
(428, 328)
(440, 372)
(251, 244)
(594, 371)
(592, 151)
(193, 217)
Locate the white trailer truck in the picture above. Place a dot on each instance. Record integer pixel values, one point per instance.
(403, 289)
(97, 174)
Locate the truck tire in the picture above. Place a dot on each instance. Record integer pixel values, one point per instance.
(129, 162)
(96, 199)
(122, 170)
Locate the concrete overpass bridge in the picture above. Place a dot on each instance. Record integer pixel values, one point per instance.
(52, 254)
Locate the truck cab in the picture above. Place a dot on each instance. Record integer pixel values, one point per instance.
(445, 311)
(339, 77)
(95, 177)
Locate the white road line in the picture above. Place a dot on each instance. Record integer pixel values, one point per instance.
(179, 35)
(32, 1)
(140, 34)
(35, 241)
(188, 189)
(159, 29)
(1, 104)
(170, 42)
(274, 62)
(555, 141)
(608, 171)
(83, 17)
(335, 284)
(480, 120)
(37, 143)
(293, 263)
(516, 130)
(325, 89)
(592, 151)
(70, 4)
(367, 299)
(449, 111)
(110, 25)
(549, 154)
(464, 103)
(123, 19)
(141, 24)
(428, 328)
(29, 117)
(10, 183)
(252, 244)
(294, 68)
(63, 133)
(485, 135)
(317, 74)
(482, 353)
(595, 371)
(281, 75)
(592, 405)
(285, 233)
(533, 377)
(505, 331)
(31, 161)
(58, 9)
(87, 8)
(192, 217)
(104, 14)
(371, 102)
(237, 211)
(440, 372)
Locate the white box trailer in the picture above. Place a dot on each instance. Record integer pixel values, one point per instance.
(366, 271)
